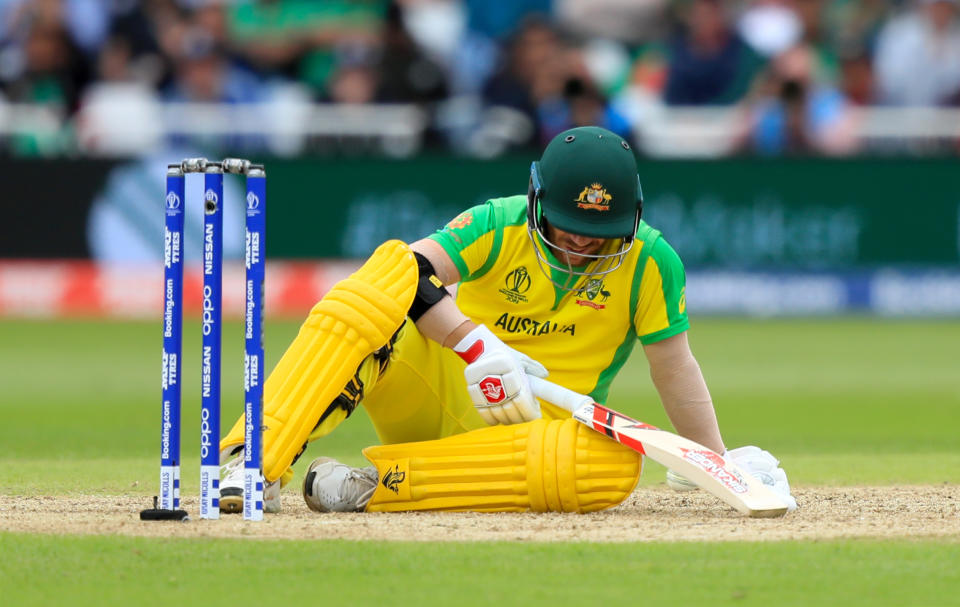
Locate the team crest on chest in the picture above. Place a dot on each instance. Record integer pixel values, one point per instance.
(595, 295)
(517, 283)
(594, 197)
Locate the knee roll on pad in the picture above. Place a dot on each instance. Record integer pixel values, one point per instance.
(355, 318)
(539, 466)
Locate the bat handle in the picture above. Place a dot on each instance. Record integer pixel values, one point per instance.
(557, 394)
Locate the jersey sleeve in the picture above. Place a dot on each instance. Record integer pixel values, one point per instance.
(470, 239)
(661, 309)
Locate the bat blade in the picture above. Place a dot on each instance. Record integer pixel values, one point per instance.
(709, 470)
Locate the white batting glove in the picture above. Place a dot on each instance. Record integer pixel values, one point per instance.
(765, 467)
(497, 379)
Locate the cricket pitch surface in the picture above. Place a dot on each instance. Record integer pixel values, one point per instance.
(650, 514)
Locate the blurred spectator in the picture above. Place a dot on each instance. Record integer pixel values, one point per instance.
(649, 70)
(298, 38)
(533, 61)
(119, 114)
(639, 100)
(489, 24)
(550, 82)
(202, 72)
(53, 73)
(566, 95)
(792, 113)
(608, 62)
(43, 67)
(392, 70)
(355, 77)
(850, 27)
(917, 61)
(407, 74)
(90, 75)
(856, 78)
(709, 63)
(581, 104)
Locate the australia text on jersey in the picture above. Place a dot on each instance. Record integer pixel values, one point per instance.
(521, 324)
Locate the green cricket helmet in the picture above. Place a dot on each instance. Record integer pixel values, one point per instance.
(585, 183)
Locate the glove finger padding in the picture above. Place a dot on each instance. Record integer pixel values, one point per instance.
(513, 413)
(486, 415)
(765, 467)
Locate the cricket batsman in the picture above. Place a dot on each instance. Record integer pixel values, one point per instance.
(562, 281)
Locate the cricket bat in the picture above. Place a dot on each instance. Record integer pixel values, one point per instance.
(709, 470)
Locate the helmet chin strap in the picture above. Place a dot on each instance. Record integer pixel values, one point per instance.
(605, 262)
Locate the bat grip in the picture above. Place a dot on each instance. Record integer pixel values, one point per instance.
(557, 394)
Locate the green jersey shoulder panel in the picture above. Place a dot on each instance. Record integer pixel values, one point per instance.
(473, 238)
(660, 306)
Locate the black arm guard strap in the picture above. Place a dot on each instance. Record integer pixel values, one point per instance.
(430, 289)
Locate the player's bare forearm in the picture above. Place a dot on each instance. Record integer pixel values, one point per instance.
(444, 322)
(683, 391)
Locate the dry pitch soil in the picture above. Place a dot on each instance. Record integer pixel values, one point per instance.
(650, 514)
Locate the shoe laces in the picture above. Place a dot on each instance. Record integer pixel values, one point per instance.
(358, 485)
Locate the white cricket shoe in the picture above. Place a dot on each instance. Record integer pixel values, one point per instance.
(330, 486)
(678, 482)
(231, 488)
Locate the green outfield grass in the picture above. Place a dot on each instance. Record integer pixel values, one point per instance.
(135, 571)
(840, 401)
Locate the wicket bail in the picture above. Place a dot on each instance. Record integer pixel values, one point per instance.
(168, 506)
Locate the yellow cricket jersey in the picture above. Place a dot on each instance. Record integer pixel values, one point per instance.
(583, 337)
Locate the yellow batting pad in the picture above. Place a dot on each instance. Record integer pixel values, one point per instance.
(540, 466)
(355, 318)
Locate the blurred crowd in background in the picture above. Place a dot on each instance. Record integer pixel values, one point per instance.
(486, 76)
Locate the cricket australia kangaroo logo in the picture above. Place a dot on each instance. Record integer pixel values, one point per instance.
(594, 197)
(517, 283)
(392, 479)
